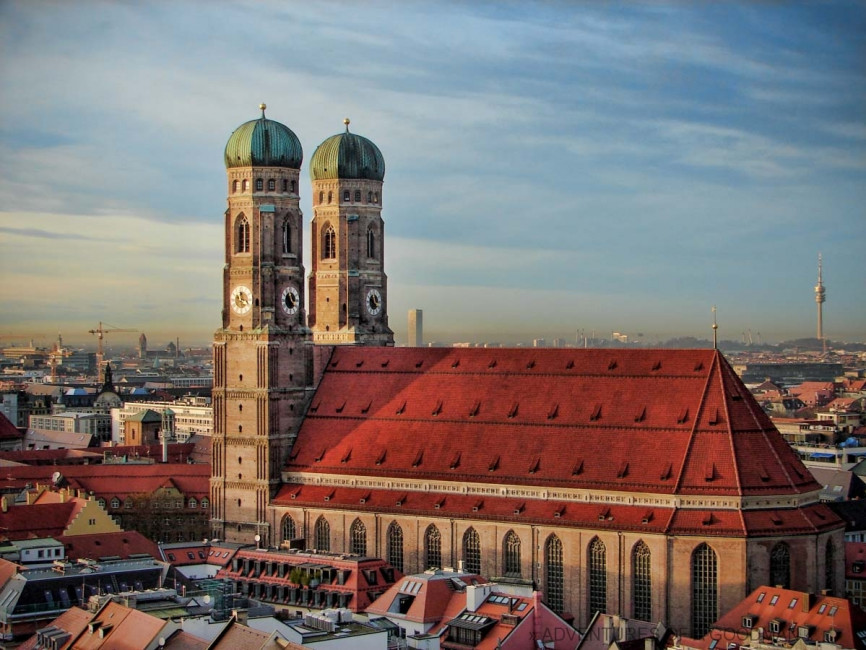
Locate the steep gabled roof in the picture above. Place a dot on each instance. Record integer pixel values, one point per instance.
(663, 421)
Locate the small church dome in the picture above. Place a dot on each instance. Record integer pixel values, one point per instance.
(263, 143)
(347, 156)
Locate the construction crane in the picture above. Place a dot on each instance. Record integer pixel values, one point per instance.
(100, 333)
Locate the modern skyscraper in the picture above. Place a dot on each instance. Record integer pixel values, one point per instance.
(820, 298)
(416, 328)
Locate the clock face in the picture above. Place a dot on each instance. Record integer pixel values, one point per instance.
(374, 302)
(290, 300)
(241, 300)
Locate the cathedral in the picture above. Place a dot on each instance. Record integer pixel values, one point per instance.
(646, 482)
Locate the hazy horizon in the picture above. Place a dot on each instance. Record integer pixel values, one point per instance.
(550, 168)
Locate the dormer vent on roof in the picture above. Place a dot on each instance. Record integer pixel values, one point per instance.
(519, 509)
(364, 498)
(666, 473)
(438, 505)
(347, 456)
(478, 505)
(401, 500)
(648, 517)
(605, 515)
(612, 365)
(456, 363)
(577, 470)
(340, 408)
(455, 462)
(400, 409)
(700, 366)
(715, 419)
(475, 409)
(366, 409)
(622, 472)
(683, 417)
(656, 366)
(596, 413)
(438, 409)
(382, 457)
(641, 416)
(419, 363)
(553, 413)
(709, 519)
(530, 365)
(330, 495)
(513, 411)
(710, 474)
(559, 512)
(763, 474)
(492, 364)
(321, 455)
(360, 363)
(776, 519)
(315, 406)
(536, 465)
(494, 465)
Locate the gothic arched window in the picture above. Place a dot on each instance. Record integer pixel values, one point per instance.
(285, 185)
(260, 185)
(369, 197)
(272, 185)
(357, 196)
(234, 187)
(287, 528)
(395, 546)
(330, 196)
(322, 539)
(321, 197)
(705, 590)
(597, 576)
(358, 538)
(511, 554)
(345, 196)
(329, 243)
(432, 548)
(242, 235)
(371, 242)
(555, 574)
(471, 551)
(245, 184)
(287, 237)
(642, 596)
(780, 566)
(830, 568)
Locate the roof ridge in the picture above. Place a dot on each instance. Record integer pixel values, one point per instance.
(729, 425)
(698, 414)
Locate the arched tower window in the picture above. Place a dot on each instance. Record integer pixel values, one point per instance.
(330, 196)
(345, 196)
(597, 577)
(272, 185)
(285, 185)
(245, 185)
(371, 242)
(642, 592)
(287, 528)
(780, 566)
(234, 187)
(358, 538)
(287, 237)
(554, 581)
(830, 568)
(511, 554)
(321, 197)
(395, 546)
(472, 551)
(432, 548)
(242, 235)
(293, 187)
(357, 196)
(705, 590)
(329, 243)
(260, 185)
(369, 197)
(322, 538)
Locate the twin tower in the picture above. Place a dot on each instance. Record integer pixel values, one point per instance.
(264, 352)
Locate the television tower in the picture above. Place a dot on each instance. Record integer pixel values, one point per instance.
(820, 297)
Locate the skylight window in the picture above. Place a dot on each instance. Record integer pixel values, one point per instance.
(774, 599)
(761, 596)
(792, 604)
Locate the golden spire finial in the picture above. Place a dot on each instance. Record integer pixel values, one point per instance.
(346, 121)
(262, 108)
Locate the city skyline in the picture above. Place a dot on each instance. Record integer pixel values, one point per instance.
(549, 168)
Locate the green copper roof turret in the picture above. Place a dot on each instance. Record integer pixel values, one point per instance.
(347, 156)
(263, 143)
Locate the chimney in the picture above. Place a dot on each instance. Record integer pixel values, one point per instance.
(475, 595)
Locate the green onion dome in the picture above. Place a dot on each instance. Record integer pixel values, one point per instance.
(263, 143)
(347, 156)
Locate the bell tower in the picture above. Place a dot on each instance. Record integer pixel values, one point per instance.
(263, 351)
(348, 285)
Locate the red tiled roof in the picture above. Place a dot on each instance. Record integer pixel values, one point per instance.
(121, 544)
(808, 519)
(74, 620)
(818, 614)
(38, 520)
(8, 431)
(505, 415)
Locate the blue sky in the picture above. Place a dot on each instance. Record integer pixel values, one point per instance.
(551, 167)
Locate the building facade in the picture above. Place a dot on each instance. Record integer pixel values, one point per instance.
(643, 482)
